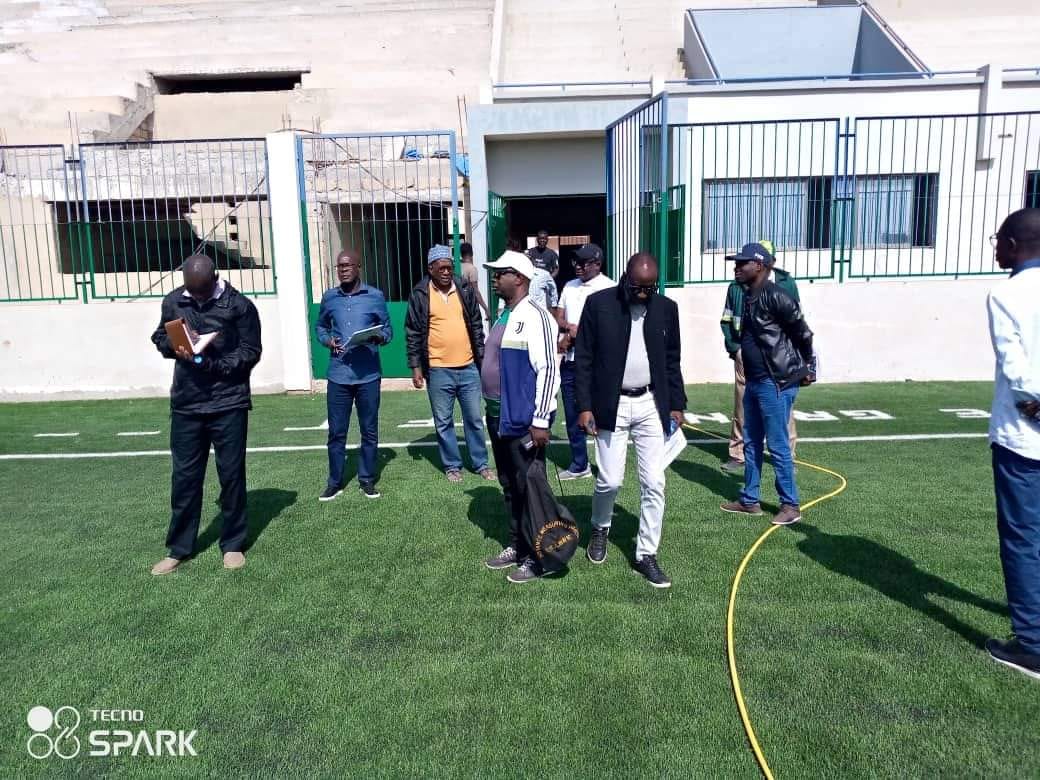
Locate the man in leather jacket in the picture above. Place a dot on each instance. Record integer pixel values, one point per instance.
(777, 350)
(209, 403)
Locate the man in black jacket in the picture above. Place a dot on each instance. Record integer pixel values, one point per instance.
(444, 335)
(628, 380)
(777, 350)
(210, 403)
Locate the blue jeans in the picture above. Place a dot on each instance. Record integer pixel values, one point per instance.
(444, 385)
(340, 399)
(1017, 483)
(766, 412)
(576, 435)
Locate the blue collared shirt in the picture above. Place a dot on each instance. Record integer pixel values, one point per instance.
(342, 315)
(1034, 263)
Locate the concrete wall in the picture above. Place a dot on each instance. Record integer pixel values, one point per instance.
(864, 331)
(103, 350)
(558, 166)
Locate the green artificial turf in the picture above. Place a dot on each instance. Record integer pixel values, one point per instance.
(364, 638)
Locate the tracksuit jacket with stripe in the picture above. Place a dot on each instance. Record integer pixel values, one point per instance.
(530, 369)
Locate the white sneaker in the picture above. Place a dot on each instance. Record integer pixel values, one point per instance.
(568, 475)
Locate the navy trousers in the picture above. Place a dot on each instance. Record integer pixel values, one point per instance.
(1017, 483)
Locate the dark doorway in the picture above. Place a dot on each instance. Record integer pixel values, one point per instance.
(564, 216)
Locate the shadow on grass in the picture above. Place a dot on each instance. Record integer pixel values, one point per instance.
(711, 477)
(262, 507)
(893, 575)
(350, 467)
(487, 511)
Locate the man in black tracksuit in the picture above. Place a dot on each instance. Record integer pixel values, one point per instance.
(210, 403)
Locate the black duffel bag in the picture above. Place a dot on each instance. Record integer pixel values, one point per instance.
(548, 525)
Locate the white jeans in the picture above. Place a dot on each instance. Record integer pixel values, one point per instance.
(639, 417)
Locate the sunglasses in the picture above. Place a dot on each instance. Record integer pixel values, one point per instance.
(503, 272)
(646, 289)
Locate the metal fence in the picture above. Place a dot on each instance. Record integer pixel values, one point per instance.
(391, 196)
(926, 192)
(118, 220)
(39, 192)
(867, 197)
(149, 205)
(751, 180)
(638, 185)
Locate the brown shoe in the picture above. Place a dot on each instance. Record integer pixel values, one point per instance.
(165, 566)
(788, 514)
(234, 560)
(738, 508)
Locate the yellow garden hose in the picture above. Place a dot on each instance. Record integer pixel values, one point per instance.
(730, 651)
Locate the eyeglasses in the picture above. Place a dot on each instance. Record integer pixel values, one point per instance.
(993, 240)
(503, 272)
(578, 263)
(646, 289)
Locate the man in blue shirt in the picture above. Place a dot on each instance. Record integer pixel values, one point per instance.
(354, 371)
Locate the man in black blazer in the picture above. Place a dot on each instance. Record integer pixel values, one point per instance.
(628, 381)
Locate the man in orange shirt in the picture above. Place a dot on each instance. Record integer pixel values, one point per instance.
(444, 331)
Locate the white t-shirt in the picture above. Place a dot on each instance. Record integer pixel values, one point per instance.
(574, 295)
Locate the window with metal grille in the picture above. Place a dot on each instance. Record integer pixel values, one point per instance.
(1032, 190)
(889, 211)
(792, 213)
(896, 211)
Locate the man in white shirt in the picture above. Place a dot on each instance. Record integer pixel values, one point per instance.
(1014, 323)
(588, 264)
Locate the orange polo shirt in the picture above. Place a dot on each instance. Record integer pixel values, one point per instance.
(449, 339)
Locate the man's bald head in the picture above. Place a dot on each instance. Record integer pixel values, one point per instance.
(1018, 239)
(642, 274)
(644, 261)
(348, 267)
(200, 277)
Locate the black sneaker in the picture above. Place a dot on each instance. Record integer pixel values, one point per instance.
(330, 493)
(597, 550)
(369, 489)
(650, 569)
(503, 560)
(1013, 655)
(527, 571)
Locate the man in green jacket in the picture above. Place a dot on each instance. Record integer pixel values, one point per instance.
(731, 333)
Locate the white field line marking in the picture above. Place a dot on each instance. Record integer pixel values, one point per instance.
(138, 433)
(400, 445)
(55, 435)
(323, 427)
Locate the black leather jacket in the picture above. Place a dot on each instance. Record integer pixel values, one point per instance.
(221, 382)
(774, 319)
(417, 323)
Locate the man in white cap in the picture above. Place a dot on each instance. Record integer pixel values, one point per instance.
(529, 378)
(444, 332)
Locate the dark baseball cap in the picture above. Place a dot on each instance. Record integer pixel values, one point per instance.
(755, 251)
(589, 253)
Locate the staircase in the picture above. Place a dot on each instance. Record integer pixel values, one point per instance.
(366, 64)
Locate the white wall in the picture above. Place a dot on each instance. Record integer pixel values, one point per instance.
(538, 167)
(103, 349)
(864, 331)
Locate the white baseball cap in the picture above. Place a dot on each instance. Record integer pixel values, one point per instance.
(518, 261)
